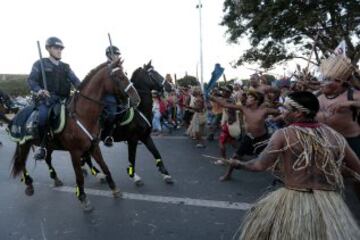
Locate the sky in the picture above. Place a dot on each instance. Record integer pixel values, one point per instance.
(164, 31)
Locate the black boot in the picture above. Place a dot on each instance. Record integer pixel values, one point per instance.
(108, 141)
(107, 133)
(40, 154)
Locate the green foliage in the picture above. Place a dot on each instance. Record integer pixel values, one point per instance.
(269, 78)
(284, 29)
(14, 84)
(187, 81)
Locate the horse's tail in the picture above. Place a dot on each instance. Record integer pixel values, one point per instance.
(19, 158)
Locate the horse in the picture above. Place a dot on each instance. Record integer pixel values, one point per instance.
(139, 128)
(6, 107)
(81, 131)
(3, 111)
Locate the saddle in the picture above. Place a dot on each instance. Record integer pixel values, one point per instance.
(25, 125)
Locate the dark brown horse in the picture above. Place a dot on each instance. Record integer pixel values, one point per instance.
(3, 111)
(81, 132)
(6, 107)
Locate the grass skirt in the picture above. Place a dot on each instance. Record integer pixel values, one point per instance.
(287, 214)
(197, 124)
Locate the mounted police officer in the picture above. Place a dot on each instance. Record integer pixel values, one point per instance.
(59, 78)
(112, 53)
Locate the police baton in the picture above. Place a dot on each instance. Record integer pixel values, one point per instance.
(42, 67)
(111, 47)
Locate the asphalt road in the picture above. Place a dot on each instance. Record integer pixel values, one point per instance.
(197, 206)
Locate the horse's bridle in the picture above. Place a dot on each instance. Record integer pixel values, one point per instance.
(149, 71)
(112, 71)
(130, 84)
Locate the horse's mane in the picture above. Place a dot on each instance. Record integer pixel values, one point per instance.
(136, 73)
(91, 74)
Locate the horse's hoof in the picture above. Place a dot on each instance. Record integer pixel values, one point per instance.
(116, 193)
(139, 183)
(137, 180)
(58, 183)
(29, 191)
(101, 177)
(168, 179)
(84, 171)
(225, 178)
(86, 206)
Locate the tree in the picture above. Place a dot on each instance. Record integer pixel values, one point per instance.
(286, 29)
(14, 84)
(187, 81)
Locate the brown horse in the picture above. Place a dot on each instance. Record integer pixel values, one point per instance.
(3, 111)
(80, 134)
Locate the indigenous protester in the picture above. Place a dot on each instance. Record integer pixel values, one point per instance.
(181, 103)
(214, 117)
(339, 102)
(59, 78)
(188, 101)
(197, 125)
(284, 86)
(308, 156)
(256, 134)
(265, 84)
(254, 82)
(112, 54)
(238, 93)
(158, 110)
(230, 124)
(171, 108)
(272, 97)
(169, 79)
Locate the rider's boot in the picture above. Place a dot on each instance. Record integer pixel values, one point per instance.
(108, 131)
(40, 153)
(108, 141)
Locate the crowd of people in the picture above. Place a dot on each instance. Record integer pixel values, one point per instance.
(306, 130)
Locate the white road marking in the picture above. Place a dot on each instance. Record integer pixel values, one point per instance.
(164, 199)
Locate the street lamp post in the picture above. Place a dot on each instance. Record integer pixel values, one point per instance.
(199, 6)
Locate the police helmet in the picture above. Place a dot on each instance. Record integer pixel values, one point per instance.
(115, 51)
(54, 42)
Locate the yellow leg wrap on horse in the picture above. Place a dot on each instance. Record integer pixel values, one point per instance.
(25, 174)
(77, 191)
(130, 170)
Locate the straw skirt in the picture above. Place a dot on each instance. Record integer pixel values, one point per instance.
(288, 214)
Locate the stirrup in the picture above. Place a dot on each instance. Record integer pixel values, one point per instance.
(108, 141)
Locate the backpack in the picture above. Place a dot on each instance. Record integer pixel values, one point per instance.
(356, 113)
